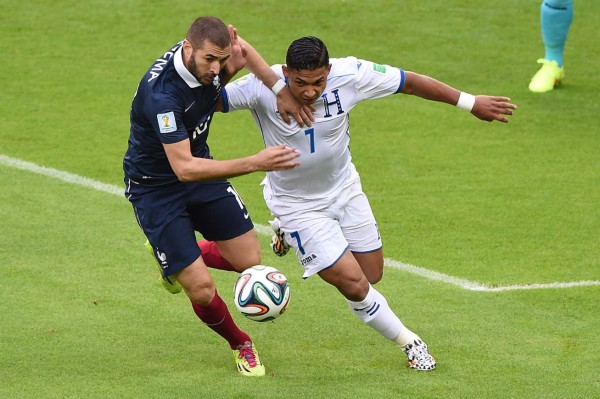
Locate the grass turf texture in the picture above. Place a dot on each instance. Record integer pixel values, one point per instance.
(82, 312)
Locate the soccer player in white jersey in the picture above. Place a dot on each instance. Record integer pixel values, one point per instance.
(320, 208)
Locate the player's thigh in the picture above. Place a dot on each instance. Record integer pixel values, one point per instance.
(360, 230)
(358, 222)
(220, 215)
(316, 238)
(242, 251)
(347, 276)
(171, 236)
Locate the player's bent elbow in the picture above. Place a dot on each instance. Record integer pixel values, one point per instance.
(185, 175)
(185, 179)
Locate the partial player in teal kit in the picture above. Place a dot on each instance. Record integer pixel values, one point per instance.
(555, 18)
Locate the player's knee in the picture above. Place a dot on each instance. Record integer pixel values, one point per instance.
(375, 276)
(354, 290)
(248, 259)
(201, 293)
(371, 265)
(253, 258)
(373, 271)
(242, 257)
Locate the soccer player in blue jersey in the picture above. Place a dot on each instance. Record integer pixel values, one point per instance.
(320, 207)
(555, 20)
(177, 188)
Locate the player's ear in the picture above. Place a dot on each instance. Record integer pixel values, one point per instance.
(285, 71)
(187, 47)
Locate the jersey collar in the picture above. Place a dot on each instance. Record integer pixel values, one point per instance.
(182, 70)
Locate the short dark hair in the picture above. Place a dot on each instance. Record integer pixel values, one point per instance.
(208, 28)
(308, 52)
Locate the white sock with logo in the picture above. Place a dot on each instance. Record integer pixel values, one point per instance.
(375, 311)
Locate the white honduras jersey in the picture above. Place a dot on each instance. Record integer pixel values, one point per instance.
(325, 160)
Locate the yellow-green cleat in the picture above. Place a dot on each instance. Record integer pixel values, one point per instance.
(247, 360)
(168, 282)
(547, 77)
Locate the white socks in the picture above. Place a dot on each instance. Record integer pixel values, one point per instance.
(375, 311)
(406, 337)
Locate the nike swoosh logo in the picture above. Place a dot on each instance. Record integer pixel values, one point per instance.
(246, 215)
(187, 109)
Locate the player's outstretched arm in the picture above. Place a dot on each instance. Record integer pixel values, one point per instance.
(487, 108)
(189, 168)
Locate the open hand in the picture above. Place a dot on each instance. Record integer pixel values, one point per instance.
(279, 157)
(237, 59)
(493, 108)
(287, 105)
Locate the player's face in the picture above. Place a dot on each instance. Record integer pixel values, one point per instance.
(305, 84)
(205, 62)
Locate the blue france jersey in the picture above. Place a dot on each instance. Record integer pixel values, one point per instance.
(169, 106)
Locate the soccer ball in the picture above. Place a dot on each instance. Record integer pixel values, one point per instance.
(261, 293)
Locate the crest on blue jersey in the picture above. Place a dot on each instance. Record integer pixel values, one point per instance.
(166, 122)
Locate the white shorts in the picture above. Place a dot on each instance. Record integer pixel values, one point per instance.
(320, 231)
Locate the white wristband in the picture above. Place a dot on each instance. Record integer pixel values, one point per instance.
(466, 101)
(278, 86)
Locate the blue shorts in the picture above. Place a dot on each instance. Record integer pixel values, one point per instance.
(170, 216)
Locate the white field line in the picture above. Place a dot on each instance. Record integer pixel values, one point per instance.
(262, 229)
(60, 175)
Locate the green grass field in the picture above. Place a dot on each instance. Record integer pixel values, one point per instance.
(471, 204)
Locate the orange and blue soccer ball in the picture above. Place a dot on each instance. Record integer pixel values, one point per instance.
(261, 293)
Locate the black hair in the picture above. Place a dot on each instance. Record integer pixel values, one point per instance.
(308, 52)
